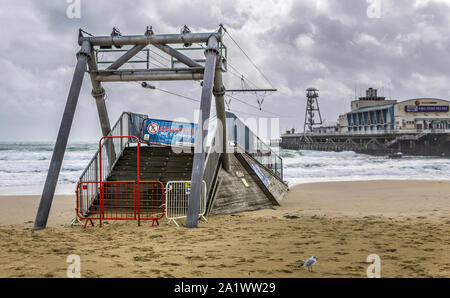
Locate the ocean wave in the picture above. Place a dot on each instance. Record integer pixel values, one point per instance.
(44, 147)
(319, 166)
(25, 164)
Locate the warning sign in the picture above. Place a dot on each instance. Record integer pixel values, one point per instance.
(168, 132)
(187, 188)
(153, 128)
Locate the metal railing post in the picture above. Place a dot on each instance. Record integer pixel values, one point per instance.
(211, 54)
(83, 56)
(219, 92)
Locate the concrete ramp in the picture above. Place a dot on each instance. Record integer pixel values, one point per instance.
(273, 187)
(243, 190)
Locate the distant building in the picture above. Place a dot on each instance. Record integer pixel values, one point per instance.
(376, 114)
(378, 126)
(371, 99)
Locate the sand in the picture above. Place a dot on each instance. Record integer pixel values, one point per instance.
(407, 223)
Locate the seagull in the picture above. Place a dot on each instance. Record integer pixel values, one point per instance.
(309, 263)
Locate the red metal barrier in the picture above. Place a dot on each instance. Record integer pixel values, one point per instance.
(120, 200)
(151, 201)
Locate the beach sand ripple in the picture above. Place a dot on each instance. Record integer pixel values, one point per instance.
(409, 233)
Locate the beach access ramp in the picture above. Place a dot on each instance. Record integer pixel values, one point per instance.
(138, 175)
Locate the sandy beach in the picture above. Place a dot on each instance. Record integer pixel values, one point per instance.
(407, 223)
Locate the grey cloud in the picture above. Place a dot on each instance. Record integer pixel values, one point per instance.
(332, 45)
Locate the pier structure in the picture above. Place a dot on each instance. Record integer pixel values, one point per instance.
(208, 71)
(113, 146)
(378, 126)
(149, 179)
(435, 143)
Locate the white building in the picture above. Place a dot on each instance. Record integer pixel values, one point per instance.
(375, 114)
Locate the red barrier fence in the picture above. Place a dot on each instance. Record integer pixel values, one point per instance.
(151, 201)
(119, 200)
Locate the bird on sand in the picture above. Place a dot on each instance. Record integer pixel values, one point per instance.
(309, 263)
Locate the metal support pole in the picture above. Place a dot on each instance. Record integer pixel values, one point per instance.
(219, 92)
(98, 92)
(121, 76)
(148, 39)
(127, 56)
(211, 54)
(83, 56)
(179, 56)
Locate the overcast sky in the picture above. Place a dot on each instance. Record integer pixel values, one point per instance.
(400, 47)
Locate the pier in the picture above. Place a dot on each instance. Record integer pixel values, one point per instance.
(380, 127)
(435, 143)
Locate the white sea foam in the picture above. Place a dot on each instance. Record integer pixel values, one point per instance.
(24, 166)
(316, 166)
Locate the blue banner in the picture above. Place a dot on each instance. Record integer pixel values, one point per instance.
(260, 174)
(168, 132)
(427, 109)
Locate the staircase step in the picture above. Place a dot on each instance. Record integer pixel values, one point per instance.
(132, 170)
(156, 164)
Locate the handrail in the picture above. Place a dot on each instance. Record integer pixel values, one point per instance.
(95, 157)
(110, 166)
(92, 171)
(245, 139)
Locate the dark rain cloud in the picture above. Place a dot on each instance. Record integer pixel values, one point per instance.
(329, 44)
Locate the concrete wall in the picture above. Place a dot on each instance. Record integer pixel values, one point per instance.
(234, 196)
(276, 187)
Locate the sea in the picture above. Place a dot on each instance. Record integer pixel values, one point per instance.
(24, 166)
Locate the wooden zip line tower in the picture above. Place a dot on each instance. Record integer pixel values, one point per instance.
(210, 73)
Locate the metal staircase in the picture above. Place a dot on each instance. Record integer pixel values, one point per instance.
(114, 168)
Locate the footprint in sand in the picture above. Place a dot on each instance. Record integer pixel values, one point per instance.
(170, 264)
(194, 258)
(285, 271)
(197, 273)
(291, 217)
(340, 253)
(243, 260)
(389, 257)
